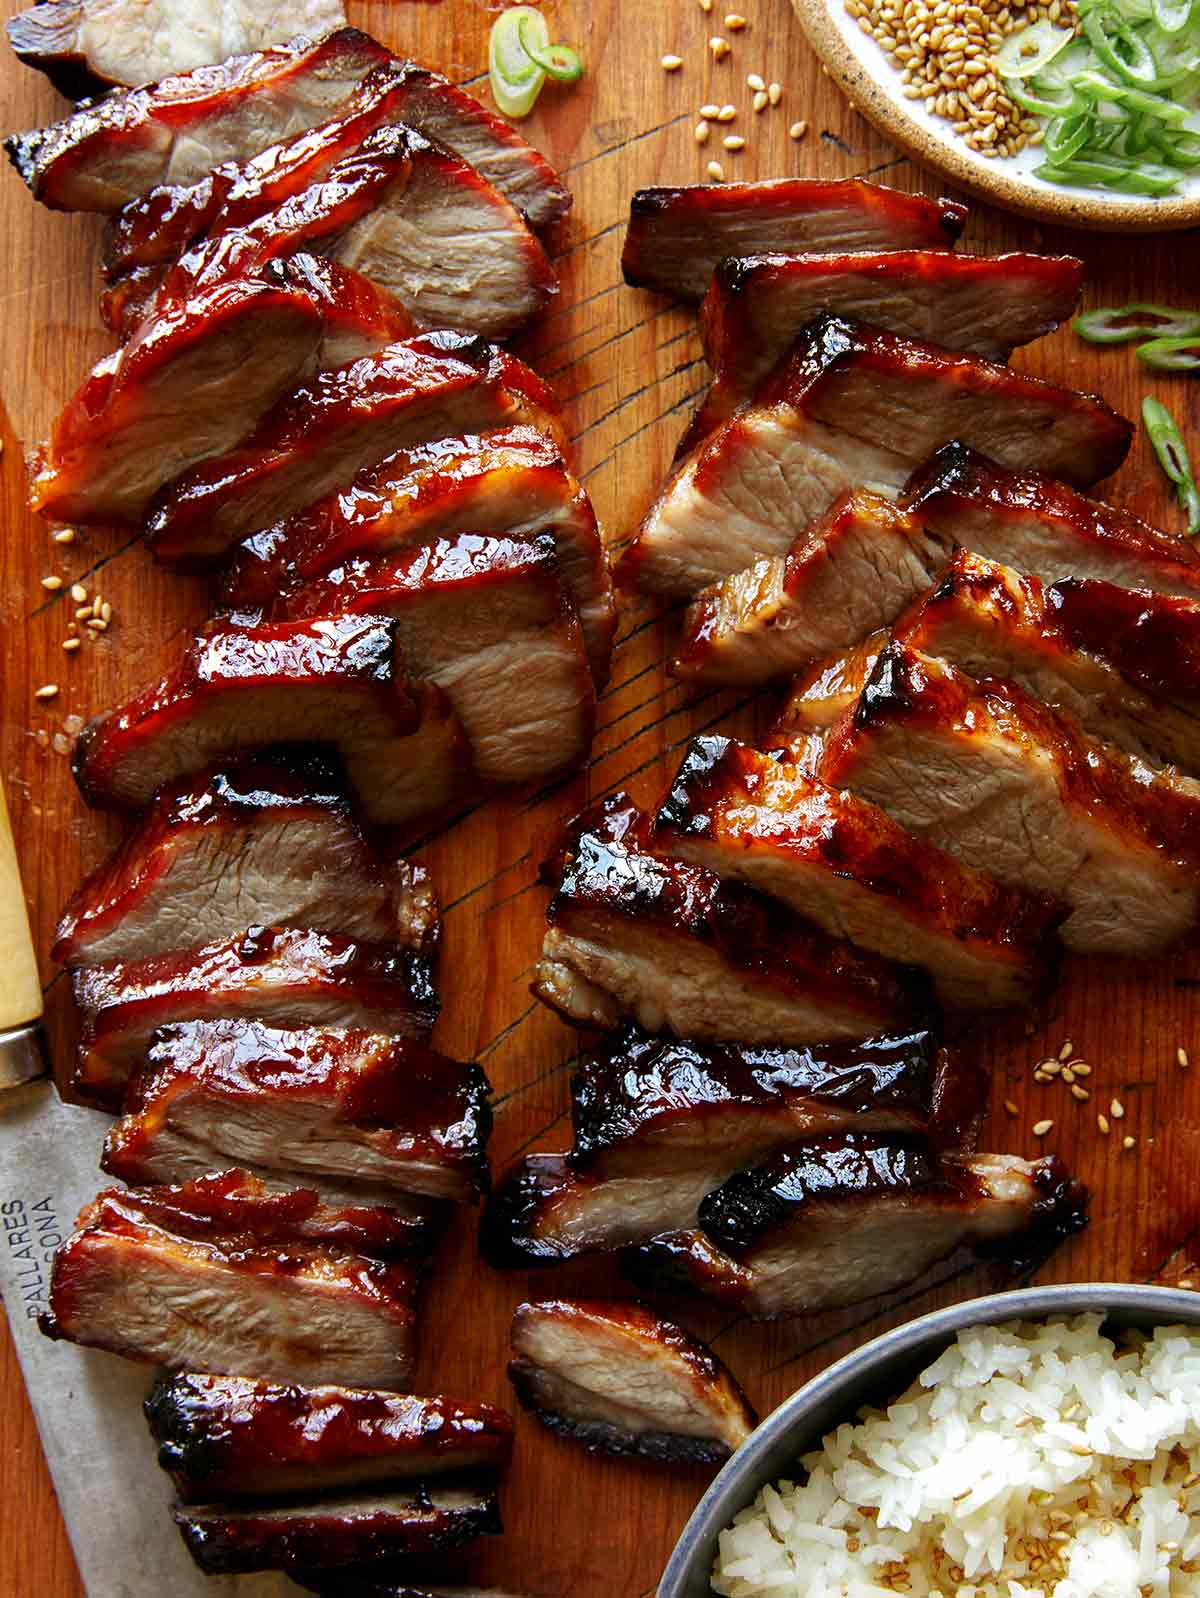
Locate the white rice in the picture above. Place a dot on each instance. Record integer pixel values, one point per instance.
(1030, 1459)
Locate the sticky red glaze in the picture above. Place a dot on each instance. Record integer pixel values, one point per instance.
(817, 379)
(354, 655)
(677, 236)
(607, 867)
(255, 794)
(433, 383)
(1153, 638)
(807, 821)
(415, 1103)
(72, 165)
(283, 974)
(960, 477)
(222, 1436)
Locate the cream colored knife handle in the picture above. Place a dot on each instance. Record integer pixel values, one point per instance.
(21, 1053)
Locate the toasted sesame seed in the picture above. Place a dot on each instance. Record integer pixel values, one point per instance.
(52, 583)
(734, 141)
(715, 171)
(671, 63)
(1067, 1050)
(1011, 1107)
(797, 130)
(756, 82)
(1116, 1109)
(78, 593)
(720, 47)
(1102, 1123)
(727, 113)
(1068, 1075)
(706, 5)
(1049, 1067)
(98, 624)
(1128, 1142)
(735, 22)
(710, 112)
(83, 613)
(1181, 1058)
(774, 93)
(1081, 1068)
(46, 691)
(1041, 1076)
(760, 100)
(70, 644)
(700, 133)
(106, 612)
(1040, 1128)
(1079, 1093)
(65, 535)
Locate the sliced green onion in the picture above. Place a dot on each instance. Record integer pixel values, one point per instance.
(1066, 136)
(1172, 354)
(1172, 16)
(1121, 324)
(557, 61)
(1039, 105)
(1120, 47)
(515, 76)
(1173, 457)
(1025, 54)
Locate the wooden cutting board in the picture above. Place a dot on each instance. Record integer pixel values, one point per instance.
(627, 367)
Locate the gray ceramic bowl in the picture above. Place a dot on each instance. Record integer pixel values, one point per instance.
(876, 1372)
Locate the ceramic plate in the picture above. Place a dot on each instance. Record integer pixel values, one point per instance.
(859, 66)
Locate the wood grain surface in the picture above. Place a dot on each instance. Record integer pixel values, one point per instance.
(627, 367)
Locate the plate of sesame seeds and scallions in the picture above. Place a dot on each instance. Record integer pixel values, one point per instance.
(1082, 112)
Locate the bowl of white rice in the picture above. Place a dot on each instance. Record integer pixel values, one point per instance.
(1036, 1444)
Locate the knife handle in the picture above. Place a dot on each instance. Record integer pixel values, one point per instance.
(20, 989)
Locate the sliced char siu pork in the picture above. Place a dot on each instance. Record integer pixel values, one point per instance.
(851, 571)
(676, 237)
(356, 1536)
(1040, 526)
(852, 407)
(659, 1124)
(847, 867)
(242, 687)
(405, 1589)
(989, 621)
(486, 620)
(264, 842)
(375, 1113)
(281, 976)
(198, 373)
(230, 1438)
(620, 1380)
(1013, 788)
(146, 1277)
(411, 217)
(839, 1220)
(758, 305)
(819, 698)
(325, 430)
(176, 132)
(510, 483)
(668, 945)
(1152, 638)
(87, 46)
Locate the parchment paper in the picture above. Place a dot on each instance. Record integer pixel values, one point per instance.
(114, 1498)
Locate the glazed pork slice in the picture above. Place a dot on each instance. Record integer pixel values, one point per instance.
(242, 687)
(660, 1124)
(840, 1220)
(852, 407)
(852, 571)
(1152, 638)
(818, 699)
(230, 1438)
(264, 842)
(324, 431)
(620, 1380)
(846, 866)
(486, 621)
(677, 237)
(113, 150)
(1013, 788)
(284, 977)
(633, 936)
(413, 218)
(374, 1112)
(510, 483)
(1042, 527)
(989, 621)
(358, 1534)
(130, 1281)
(87, 46)
(758, 305)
